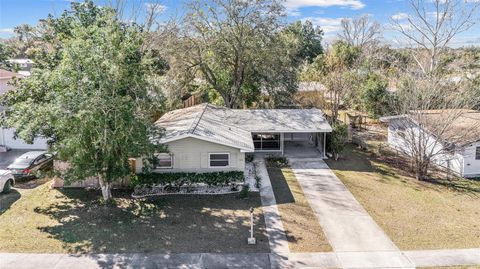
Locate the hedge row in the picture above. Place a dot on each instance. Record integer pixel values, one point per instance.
(180, 179)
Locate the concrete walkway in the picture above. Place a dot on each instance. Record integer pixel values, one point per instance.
(275, 231)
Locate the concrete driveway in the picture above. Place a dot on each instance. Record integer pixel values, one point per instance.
(351, 231)
(6, 158)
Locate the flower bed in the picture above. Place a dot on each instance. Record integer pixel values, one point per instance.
(187, 183)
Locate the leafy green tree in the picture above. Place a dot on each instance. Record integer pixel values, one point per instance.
(305, 40)
(234, 46)
(6, 53)
(374, 95)
(337, 139)
(94, 105)
(333, 69)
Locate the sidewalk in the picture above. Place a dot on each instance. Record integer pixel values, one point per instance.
(213, 261)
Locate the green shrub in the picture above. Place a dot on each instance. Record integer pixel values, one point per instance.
(276, 161)
(258, 181)
(244, 192)
(249, 158)
(179, 179)
(337, 139)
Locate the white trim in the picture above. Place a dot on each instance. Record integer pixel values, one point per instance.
(290, 131)
(171, 161)
(229, 160)
(205, 139)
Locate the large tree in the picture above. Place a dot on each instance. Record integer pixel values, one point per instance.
(235, 47)
(305, 40)
(333, 70)
(94, 102)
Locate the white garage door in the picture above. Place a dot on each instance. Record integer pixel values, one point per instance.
(11, 142)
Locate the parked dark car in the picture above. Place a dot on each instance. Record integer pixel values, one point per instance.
(27, 165)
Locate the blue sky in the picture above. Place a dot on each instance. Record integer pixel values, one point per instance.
(325, 13)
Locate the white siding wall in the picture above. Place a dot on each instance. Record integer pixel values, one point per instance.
(454, 162)
(191, 155)
(471, 166)
(7, 139)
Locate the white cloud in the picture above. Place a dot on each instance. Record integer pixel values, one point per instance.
(6, 30)
(328, 25)
(400, 16)
(354, 4)
(157, 7)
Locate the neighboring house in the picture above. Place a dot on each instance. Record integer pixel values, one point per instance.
(207, 138)
(456, 149)
(24, 66)
(7, 136)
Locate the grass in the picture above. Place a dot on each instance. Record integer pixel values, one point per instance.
(416, 215)
(48, 220)
(304, 233)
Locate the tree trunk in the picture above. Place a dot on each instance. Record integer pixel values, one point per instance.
(421, 171)
(106, 190)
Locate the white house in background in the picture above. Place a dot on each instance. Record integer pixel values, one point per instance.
(24, 66)
(462, 158)
(7, 136)
(208, 138)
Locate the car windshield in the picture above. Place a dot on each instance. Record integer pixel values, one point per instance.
(23, 161)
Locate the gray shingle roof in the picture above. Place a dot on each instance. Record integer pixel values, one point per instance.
(233, 127)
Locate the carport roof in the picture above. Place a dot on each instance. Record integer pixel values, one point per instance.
(233, 127)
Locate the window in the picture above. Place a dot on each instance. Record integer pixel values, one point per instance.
(266, 142)
(219, 159)
(477, 154)
(164, 160)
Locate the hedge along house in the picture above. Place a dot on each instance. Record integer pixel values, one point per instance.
(209, 138)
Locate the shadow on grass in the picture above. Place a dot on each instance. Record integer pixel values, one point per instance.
(173, 224)
(8, 199)
(394, 168)
(281, 190)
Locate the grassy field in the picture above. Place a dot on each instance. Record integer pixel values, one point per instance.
(75, 221)
(304, 233)
(416, 215)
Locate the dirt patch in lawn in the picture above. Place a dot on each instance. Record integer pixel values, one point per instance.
(304, 233)
(75, 221)
(416, 215)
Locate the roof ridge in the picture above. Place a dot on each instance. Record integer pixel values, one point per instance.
(196, 121)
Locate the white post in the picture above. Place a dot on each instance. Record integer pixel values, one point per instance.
(251, 239)
(324, 145)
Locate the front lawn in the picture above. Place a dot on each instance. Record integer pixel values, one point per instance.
(48, 220)
(416, 215)
(304, 233)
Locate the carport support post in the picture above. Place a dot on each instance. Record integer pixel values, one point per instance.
(324, 144)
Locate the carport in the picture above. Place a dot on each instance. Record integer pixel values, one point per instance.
(284, 131)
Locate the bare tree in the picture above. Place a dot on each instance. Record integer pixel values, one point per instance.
(433, 123)
(360, 31)
(432, 25)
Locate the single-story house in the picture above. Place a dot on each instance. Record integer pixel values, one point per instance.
(451, 136)
(208, 138)
(7, 136)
